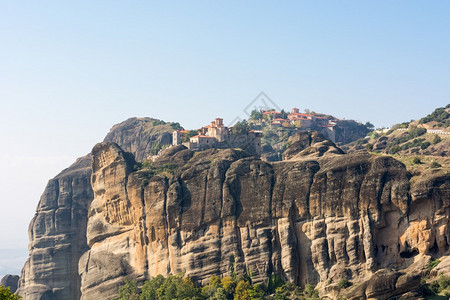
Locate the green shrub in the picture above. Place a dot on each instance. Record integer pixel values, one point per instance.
(273, 282)
(394, 149)
(5, 294)
(416, 160)
(444, 282)
(416, 132)
(311, 292)
(433, 263)
(344, 283)
(158, 122)
(288, 291)
(374, 135)
(435, 165)
(436, 139)
(361, 141)
(425, 145)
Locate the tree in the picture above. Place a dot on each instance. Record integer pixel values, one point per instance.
(369, 125)
(242, 291)
(5, 294)
(175, 126)
(256, 292)
(283, 114)
(220, 294)
(149, 289)
(256, 115)
(273, 282)
(190, 134)
(128, 291)
(177, 287)
(212, 287)
(228, 285)
(241, 127)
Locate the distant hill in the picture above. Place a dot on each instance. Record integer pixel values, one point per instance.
(440, 118)
(422, 145)
(428, 136)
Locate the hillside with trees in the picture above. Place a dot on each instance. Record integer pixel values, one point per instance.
(422, 145)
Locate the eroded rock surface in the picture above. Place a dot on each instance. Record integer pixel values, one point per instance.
(316, 217)
(57, 236)
(58, 230)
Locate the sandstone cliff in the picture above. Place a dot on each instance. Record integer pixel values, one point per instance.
(316, 217)
(58, 230)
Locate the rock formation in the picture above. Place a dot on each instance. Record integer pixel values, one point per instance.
(10, 281)
(58, 230)
(57, 236)
(316, 217)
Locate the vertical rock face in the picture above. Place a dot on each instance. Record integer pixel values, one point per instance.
(318, 215)
(58, 230)
(57, 236)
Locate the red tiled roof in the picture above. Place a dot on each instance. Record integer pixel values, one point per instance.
(271, 112)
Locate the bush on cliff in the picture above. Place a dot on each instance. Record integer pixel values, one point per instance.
(5, 294)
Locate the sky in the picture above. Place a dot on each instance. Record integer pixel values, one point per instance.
(70, 70)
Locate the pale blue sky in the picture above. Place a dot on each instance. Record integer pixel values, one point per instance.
(69, 70)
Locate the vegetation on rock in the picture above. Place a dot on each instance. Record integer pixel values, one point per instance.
(236, 288)
(439, 287)
(5, 294)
